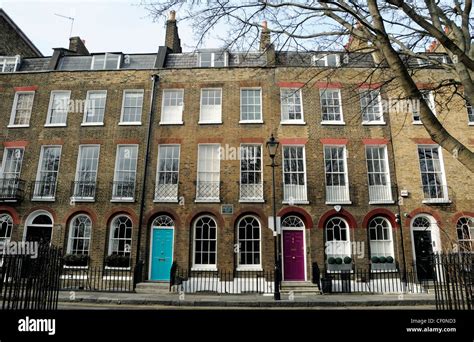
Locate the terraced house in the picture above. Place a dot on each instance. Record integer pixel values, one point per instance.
(161, 158)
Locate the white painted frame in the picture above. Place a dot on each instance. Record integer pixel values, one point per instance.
(14, 109)
(381, 120)
(178, 122)
(262, 200)
(156, 199)
(32, 216)
(50, 108)
(289, 121)
(435, 234)
(131, 123)
(443, 176)
(303, 231)
(76, 174)
(4, 159)
(117, 199)
(242, 121)
(256, 267)
(203, 267)
(150, 257)
(331, 122)
(84, 122)
(305, 173)
(69, 239)
(201, 121)
(201, 200)
(387, 168)
(346, 174)
(38, 172)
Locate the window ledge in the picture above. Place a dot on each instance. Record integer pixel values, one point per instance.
(251, 122)
(417, 123)
(43, 199)
(340, 271)
(165, 200)
(373, 123)
(117, 268)
(210, 123)
(338, 202)
(295, 202)
(171, 123)
(130, 123)
(249, 269)
(470, 124)
(260, 200)
(18, 126)
(295, 122)
(86, 124)
(55, 125)
(437, 201)
(203, 200)
(125, 200)
(75, 267)
(382, 202)
(333, 123)
(390, 270)
(82, 199)
(203, 268)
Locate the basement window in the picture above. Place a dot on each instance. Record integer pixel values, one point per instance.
(9, 64)
(213, 59)
(106, 61)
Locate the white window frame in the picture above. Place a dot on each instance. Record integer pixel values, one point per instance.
(381, 120)
(317, 58)
(105, 60)
(131, 123)
(386, 244)
(204, 267)
(444, 184)
(334, 244)
(303, 200)
(213, 58)
(71, 236)
(5, 62)
(346, 175)
(215, 121)
(387, 175)
(50, 108)
(241, 106)
(431, 104)
(38, 173)
(167, 199)
(84, 119)
(77, 174)
(124, 199)
(4, 160)
(248, 199)
(177, 122)
(465, 239)
(111, 238)
(249, 267)
(331, 122)
(203, 199)
(293, 91)
(8, 233)
(15, 109)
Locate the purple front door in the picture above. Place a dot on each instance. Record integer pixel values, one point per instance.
(293, 255)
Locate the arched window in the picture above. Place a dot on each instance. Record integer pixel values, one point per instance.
(6, 227)
(380, 234)
(163, 221)
(248, 236)
(465, 230)
(205, 243)
(292, 222)
(121, 236)
(421, 222)
(79, 235)
(338, 241)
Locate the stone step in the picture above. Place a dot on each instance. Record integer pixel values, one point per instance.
(153, 287)
(299, 287)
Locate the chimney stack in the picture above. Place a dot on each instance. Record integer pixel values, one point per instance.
(266, 45)
(77, 45)
(172, 40)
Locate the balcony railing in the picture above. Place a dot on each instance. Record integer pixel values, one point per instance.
(251, 192)
(12, 190)
(123, 191)
(83, 190)
(166, 192)
(44, 190)
(336, 194)
(380, 194)
(208, 191)
(294, 193)
(435, 193)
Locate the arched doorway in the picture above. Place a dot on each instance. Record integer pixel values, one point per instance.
(161, 256)
(425, 242)
(39, 227)
(293, 247)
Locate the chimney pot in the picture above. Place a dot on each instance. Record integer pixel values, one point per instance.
(265, 24)
(172, 15)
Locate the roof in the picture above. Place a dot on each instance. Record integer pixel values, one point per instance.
(22, 35)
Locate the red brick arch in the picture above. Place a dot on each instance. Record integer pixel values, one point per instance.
(250, 211)
(81, 210)
(460, 214)
(41, 207)
(153, 213)
(424, 210)
(205, 211)
(12, 212)
(123, 210)
(303, 214)
(333, 213)
(380, 212)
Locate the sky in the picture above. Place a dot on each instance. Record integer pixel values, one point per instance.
(105, 25)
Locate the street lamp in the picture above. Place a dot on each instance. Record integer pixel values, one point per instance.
(272, 146)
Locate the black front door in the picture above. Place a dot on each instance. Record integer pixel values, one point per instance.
(40, 234)
(423, 252)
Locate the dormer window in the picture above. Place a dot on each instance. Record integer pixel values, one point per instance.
(106, 61)
(9, 64)
(327, 60)
(213, 59)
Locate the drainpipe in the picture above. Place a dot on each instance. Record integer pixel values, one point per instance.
(139, 263)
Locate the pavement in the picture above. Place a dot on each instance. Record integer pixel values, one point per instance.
(68, 299)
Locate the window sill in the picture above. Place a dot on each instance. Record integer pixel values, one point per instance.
(259, 200)
(207, 200)
(295, 202)
(75, 267)
(249, 269)
(124, 200)
(251, 122)
(382, 202)
(18, 126)
(203, 268)
(338, 202)
(373, 123)
(437, 201)
(82, 199)
(87, 124)
(210, 123)
(296, 123)
(417, 123)
(171, 123)
(165, 200)
(470, 124)
(43, 199)
(55, 125)
(118, 268)
(333, 123)
(390, 270)
(130, 123)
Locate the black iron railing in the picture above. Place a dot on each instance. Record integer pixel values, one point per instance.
(123, 190)
(12, 189)
(44, 189)
(83, 190)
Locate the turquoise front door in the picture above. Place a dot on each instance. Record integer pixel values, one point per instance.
(161, 254)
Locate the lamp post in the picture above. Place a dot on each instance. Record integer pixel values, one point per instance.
(272, 146)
